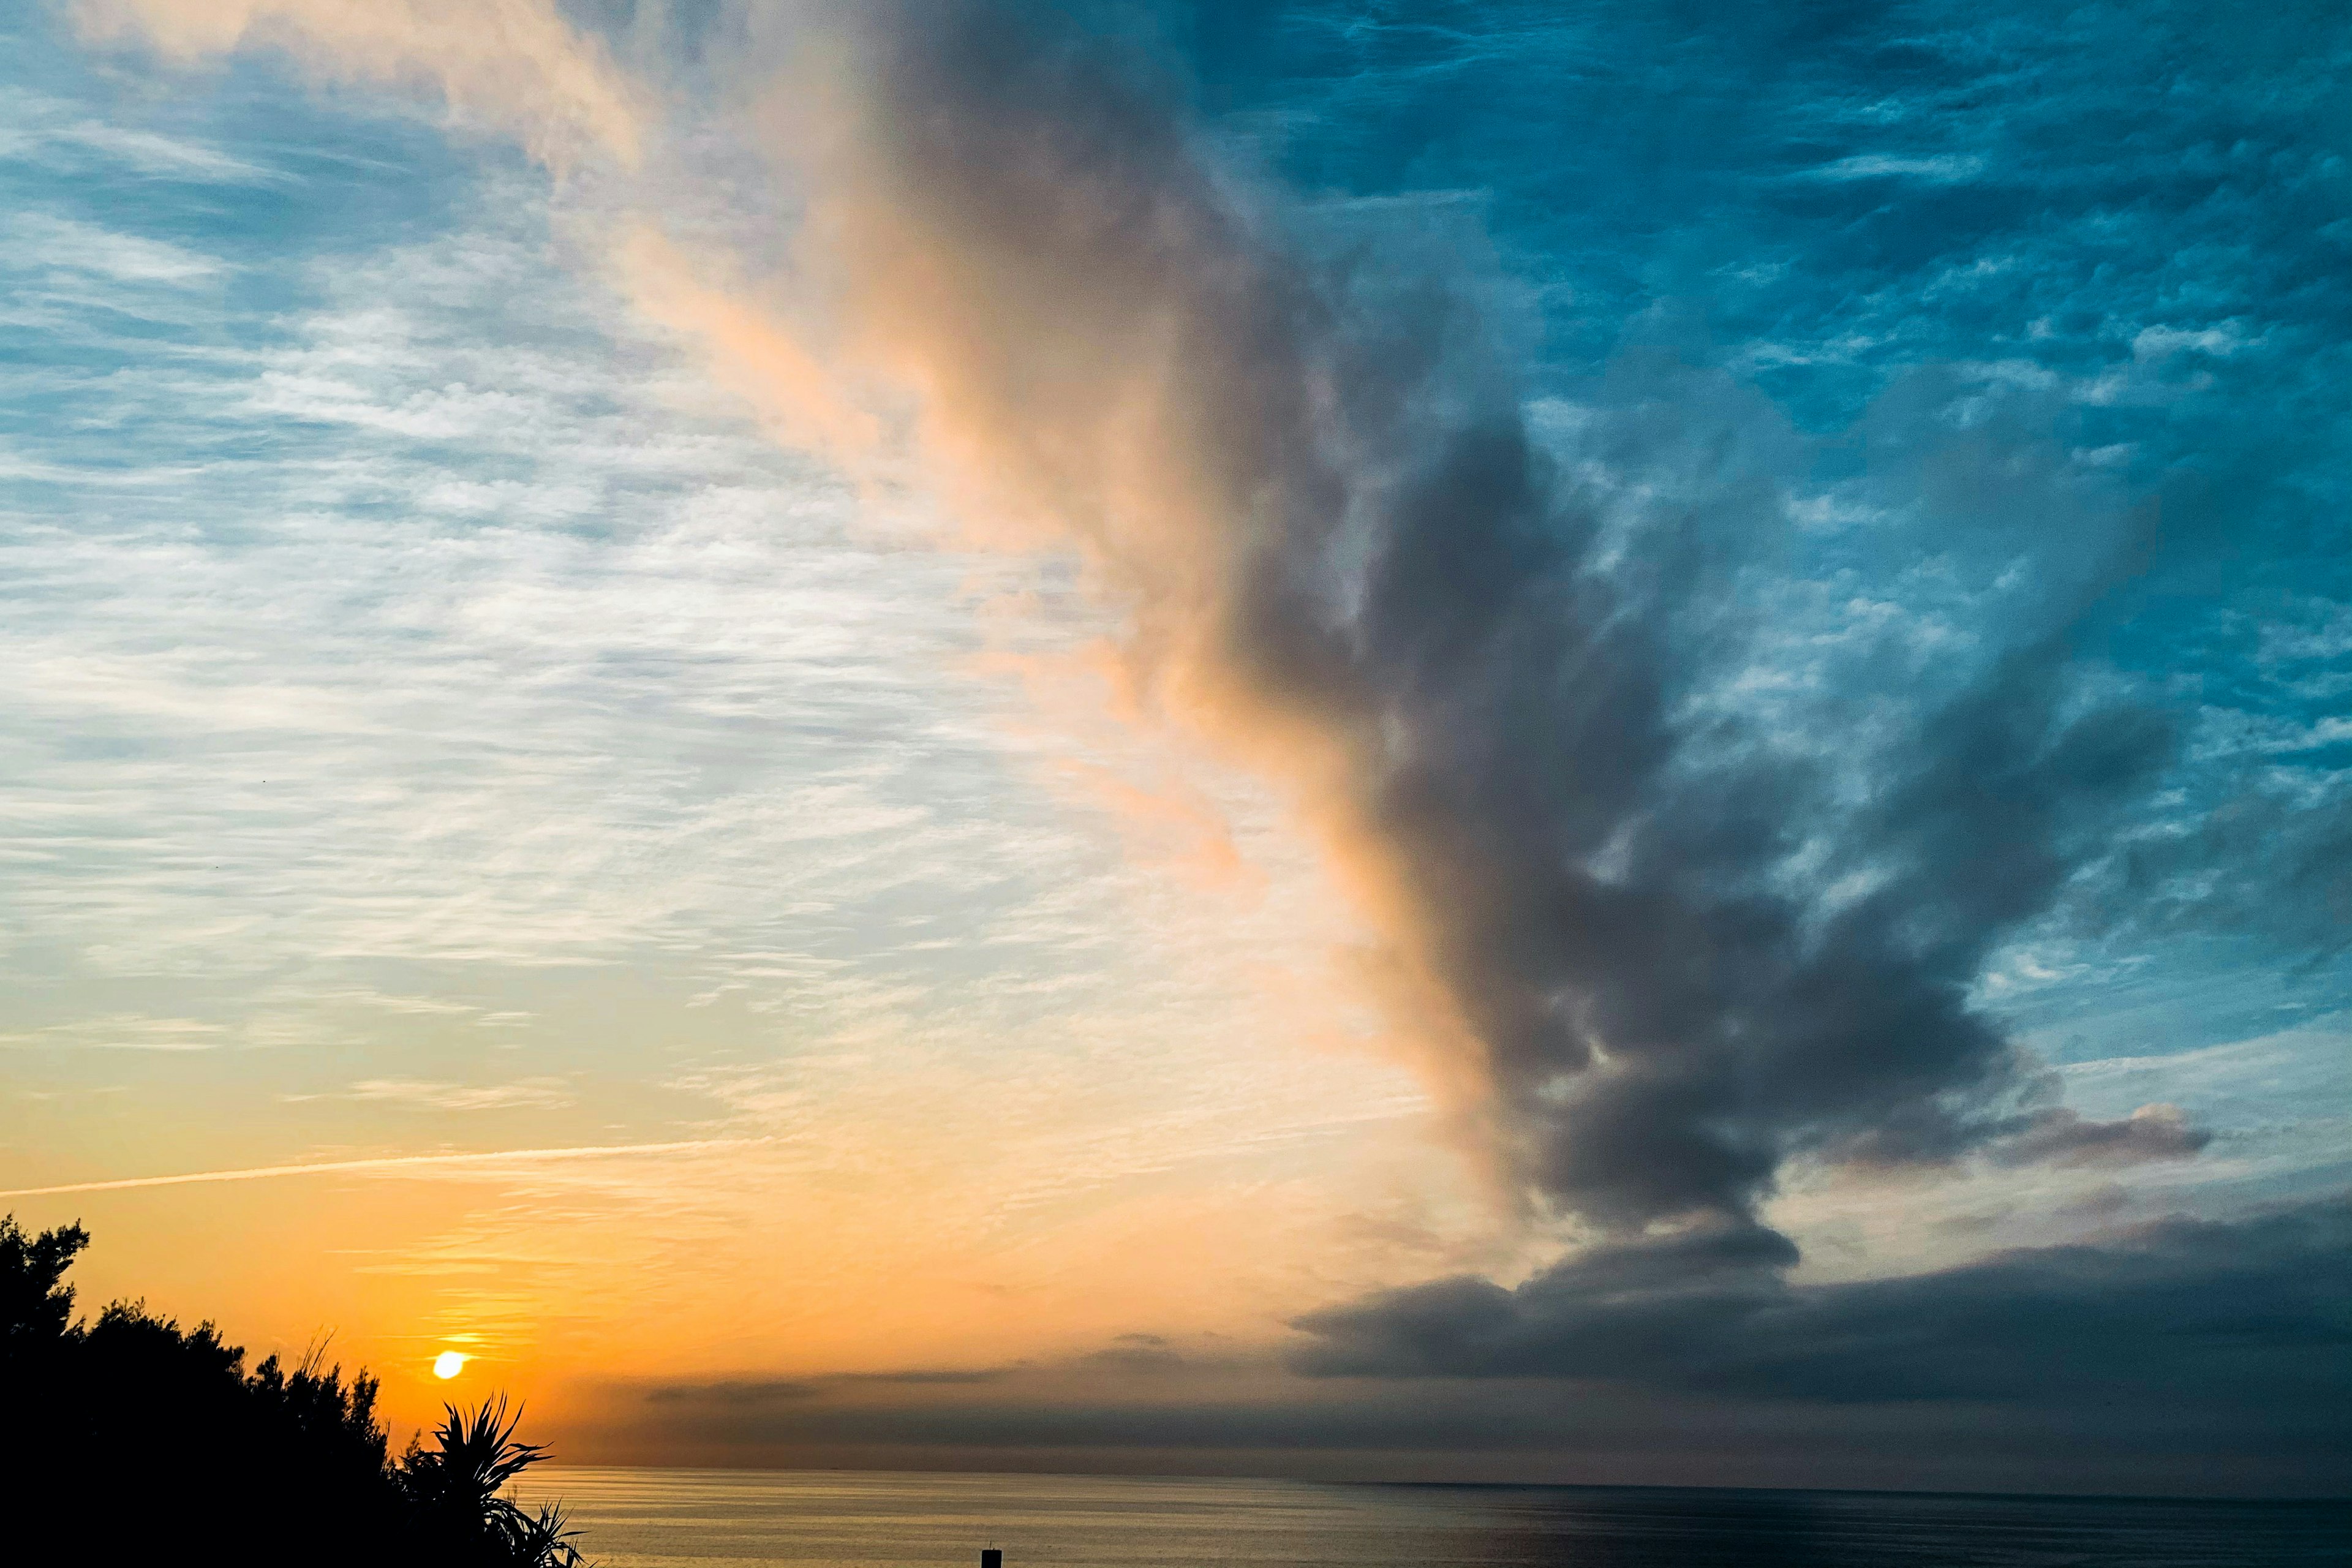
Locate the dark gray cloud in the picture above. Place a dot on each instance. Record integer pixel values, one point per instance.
(2188, 1354)
(754, 1392)
(1682, 948)
(2062, 1137)
(2269, 859)
(2240, 1315)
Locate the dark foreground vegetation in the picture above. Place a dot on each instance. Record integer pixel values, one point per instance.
(128, 1438)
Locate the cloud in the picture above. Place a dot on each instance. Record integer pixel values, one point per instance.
(493, 1163)
(2191, 1353)
(760, 1391)
(752, 1393)
(516, 65)
(170, 157)
(2062, 1137)
(538, 1093)
(1655, 951)
(2177, 1333)
(47, 133)
(1655, 954)
(1652, 949)
(1950, 168)
(2274, 858)
(2183, 1309)
(127, 1031)
(66, 246)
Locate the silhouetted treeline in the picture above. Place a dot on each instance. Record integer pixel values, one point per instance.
(130, 1439)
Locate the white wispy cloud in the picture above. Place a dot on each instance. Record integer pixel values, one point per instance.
(1942, 168)
(491, 1159)
(450, 636)
(65, 245)
(124, 1031)
(59, 137)
(533, 1093)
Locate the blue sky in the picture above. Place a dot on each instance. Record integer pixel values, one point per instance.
(2116, 242)
(455, 713)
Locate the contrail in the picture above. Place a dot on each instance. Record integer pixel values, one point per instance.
(384, 1163)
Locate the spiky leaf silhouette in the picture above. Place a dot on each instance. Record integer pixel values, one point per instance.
(459, 1486)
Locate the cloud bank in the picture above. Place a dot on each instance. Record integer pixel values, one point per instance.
(2195, 1356)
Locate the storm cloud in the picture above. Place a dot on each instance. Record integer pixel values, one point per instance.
(1655, 949)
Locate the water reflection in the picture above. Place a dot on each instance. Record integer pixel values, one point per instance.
(705, 1518)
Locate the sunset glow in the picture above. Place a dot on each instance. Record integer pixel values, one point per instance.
(1465, 742)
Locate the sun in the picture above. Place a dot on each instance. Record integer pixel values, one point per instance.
(448, 1363)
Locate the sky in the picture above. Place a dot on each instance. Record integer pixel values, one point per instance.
(1555, 743)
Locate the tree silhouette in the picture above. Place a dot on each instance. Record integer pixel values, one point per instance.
(130, 1439)
(35, 1304)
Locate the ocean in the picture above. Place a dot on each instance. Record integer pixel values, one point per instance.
(832, 1518)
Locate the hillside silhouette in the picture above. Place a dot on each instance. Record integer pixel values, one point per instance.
(129, 1438)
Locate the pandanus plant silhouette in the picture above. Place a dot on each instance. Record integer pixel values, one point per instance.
(459, 1486)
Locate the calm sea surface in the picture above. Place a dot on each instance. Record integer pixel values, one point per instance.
(714, 1518)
